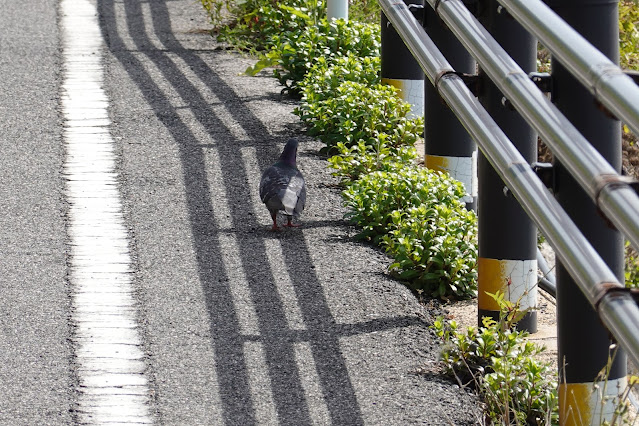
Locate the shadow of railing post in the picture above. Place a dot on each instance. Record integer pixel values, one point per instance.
(274, 334)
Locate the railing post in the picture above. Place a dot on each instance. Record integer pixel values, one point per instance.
(336, 9)
(583, 342)
(507, 259)
(399, 68)
(448, 146)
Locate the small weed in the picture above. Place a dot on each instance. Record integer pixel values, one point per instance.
(499, 363)
(632, 267)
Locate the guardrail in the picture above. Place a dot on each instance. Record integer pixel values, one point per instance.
(614, 195)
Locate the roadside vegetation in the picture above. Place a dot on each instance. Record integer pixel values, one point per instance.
(415, 214)
(500, 364)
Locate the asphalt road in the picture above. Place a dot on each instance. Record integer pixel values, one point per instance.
(35, 357)
(240, 325)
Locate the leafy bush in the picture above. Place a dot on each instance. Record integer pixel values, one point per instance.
(374, 197)
(500, 364)
(418, 215)
(350, 163)
(629, 34)
(359, 112)
(325, 76)
(435, 249)
(293, 53)
(251, 25)
(520, 390)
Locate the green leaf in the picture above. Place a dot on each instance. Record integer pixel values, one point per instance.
(264, 62)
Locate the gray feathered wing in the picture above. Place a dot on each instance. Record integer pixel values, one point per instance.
(282, 188)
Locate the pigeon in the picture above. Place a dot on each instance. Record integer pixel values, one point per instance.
(282, 186)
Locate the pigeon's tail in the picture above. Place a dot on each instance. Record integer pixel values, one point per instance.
(288, 202)
(290, 196)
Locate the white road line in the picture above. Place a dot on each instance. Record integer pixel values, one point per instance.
(108, 348)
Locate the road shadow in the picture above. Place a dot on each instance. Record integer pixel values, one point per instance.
(276, 336)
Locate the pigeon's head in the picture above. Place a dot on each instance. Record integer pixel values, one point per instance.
(289, 155)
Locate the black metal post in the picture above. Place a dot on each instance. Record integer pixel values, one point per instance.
(507, 237)
(399, 68)
(583, 342)
(448, 147)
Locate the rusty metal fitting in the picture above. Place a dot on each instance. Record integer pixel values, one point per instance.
(607, 288)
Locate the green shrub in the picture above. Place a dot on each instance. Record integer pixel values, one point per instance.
(293, 53)
(375, 196)
(325, 76)
(435, 249)
(359, 112)
(498, 362)
(350, 163)
(520, 389)
(253, 24)
(419, 217)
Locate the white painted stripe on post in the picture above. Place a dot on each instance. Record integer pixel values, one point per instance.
(516, 279)
(411, 92)
(590, 403)
(337, 9)
(463, 169)
(113, 387)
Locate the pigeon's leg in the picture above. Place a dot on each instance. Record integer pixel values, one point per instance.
(290, 224)
(274, 217)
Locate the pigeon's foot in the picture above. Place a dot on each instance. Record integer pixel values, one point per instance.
(290, 224)
(274, 217)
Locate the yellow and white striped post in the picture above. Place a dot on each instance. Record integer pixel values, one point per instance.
(463, 169)
(516, 279)
(411, 91)
(507, 237)
(447, 146)
(589, 404)
(399, 69)
(583, 342)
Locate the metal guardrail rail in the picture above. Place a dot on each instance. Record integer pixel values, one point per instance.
(611, 192)
(609, 84)
(617, 309)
